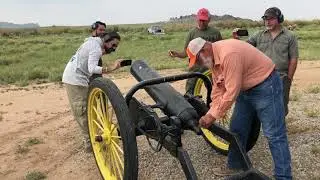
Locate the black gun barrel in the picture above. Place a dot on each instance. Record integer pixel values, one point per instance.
(173, 103)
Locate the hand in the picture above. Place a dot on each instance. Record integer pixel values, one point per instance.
(117, 64)
(173, 53)
(206, 121)
(234, 33)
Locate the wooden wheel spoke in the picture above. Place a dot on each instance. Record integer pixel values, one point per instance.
(118, 162)
(113, 128)
(98, 125)
(99, 109)
(110, 112)
(118, 157)
(103, 106)
(118, 137)
(108, 115)
(98, 116)
(117, 146)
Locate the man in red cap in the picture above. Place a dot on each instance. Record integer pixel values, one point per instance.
(244, 75)
(204, 31)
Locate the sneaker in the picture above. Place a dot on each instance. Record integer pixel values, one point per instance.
(225, 171)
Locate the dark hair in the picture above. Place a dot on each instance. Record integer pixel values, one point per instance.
(95, 25)
(101, 23)
(106, 37)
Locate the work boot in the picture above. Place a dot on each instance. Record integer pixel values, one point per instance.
(225, 171)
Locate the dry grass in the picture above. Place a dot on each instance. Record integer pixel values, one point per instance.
(314, 89)
(312, 112)
(315, 149)
(35, 175)
(294, 96)
(33, 141)
(22, 149)
(290, 120)
(297, 129)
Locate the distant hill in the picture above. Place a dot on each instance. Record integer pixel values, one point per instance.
(7, 25)
(191, 17)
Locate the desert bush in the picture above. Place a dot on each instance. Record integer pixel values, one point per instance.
(314, 89)
(35, 175)
(312, 112)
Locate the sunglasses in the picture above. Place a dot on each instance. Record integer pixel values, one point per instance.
(114, 45)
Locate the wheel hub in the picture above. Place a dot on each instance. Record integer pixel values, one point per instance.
(105, 137)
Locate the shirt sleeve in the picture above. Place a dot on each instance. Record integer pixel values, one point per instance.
(224, 97)
(188, 39)
(253, 39)
(293, 48)
(216, 96)
(94, 55)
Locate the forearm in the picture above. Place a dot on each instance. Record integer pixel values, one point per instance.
(109, 68)
(94, 69)
(182, 54)
(292, 68)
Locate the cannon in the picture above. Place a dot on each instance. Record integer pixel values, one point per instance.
(115, 121)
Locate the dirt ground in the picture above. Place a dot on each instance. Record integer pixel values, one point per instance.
(43, 112)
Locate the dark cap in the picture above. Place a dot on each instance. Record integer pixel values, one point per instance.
(272, 12)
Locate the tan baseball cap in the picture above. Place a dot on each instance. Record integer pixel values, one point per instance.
(193, 49)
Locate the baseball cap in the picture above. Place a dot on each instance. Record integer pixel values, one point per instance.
(193, 49)
(271, 12)
(203, 14)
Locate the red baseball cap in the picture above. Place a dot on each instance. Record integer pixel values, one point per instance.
(203, 14)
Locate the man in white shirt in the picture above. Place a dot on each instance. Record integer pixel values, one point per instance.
(80, 68)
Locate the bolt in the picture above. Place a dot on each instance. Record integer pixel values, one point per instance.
(98, 138)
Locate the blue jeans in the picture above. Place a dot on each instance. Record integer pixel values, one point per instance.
(266, 101)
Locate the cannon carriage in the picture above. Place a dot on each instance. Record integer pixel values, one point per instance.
(115, 122)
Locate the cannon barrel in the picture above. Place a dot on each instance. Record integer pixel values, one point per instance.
(171, 101)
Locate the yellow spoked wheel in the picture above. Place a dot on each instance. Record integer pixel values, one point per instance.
(111, 131)
(217, 143)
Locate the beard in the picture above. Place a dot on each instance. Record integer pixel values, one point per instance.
(109, 50)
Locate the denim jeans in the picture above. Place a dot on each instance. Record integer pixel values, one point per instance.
(266, 101)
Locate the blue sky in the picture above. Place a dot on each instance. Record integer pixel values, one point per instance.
(84, 12)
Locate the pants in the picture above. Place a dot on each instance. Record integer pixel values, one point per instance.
(192, 81)
(286, 91)
(265, 100)
(77, 96)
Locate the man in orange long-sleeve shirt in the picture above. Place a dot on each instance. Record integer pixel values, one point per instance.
(244, 75)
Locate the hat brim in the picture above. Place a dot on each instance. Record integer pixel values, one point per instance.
(268, 15)
(203, 18)
(192, 58)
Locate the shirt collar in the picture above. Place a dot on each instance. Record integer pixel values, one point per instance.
(281, 30)
(99, 40)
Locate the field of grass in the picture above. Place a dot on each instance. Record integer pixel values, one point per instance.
(41, 55)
